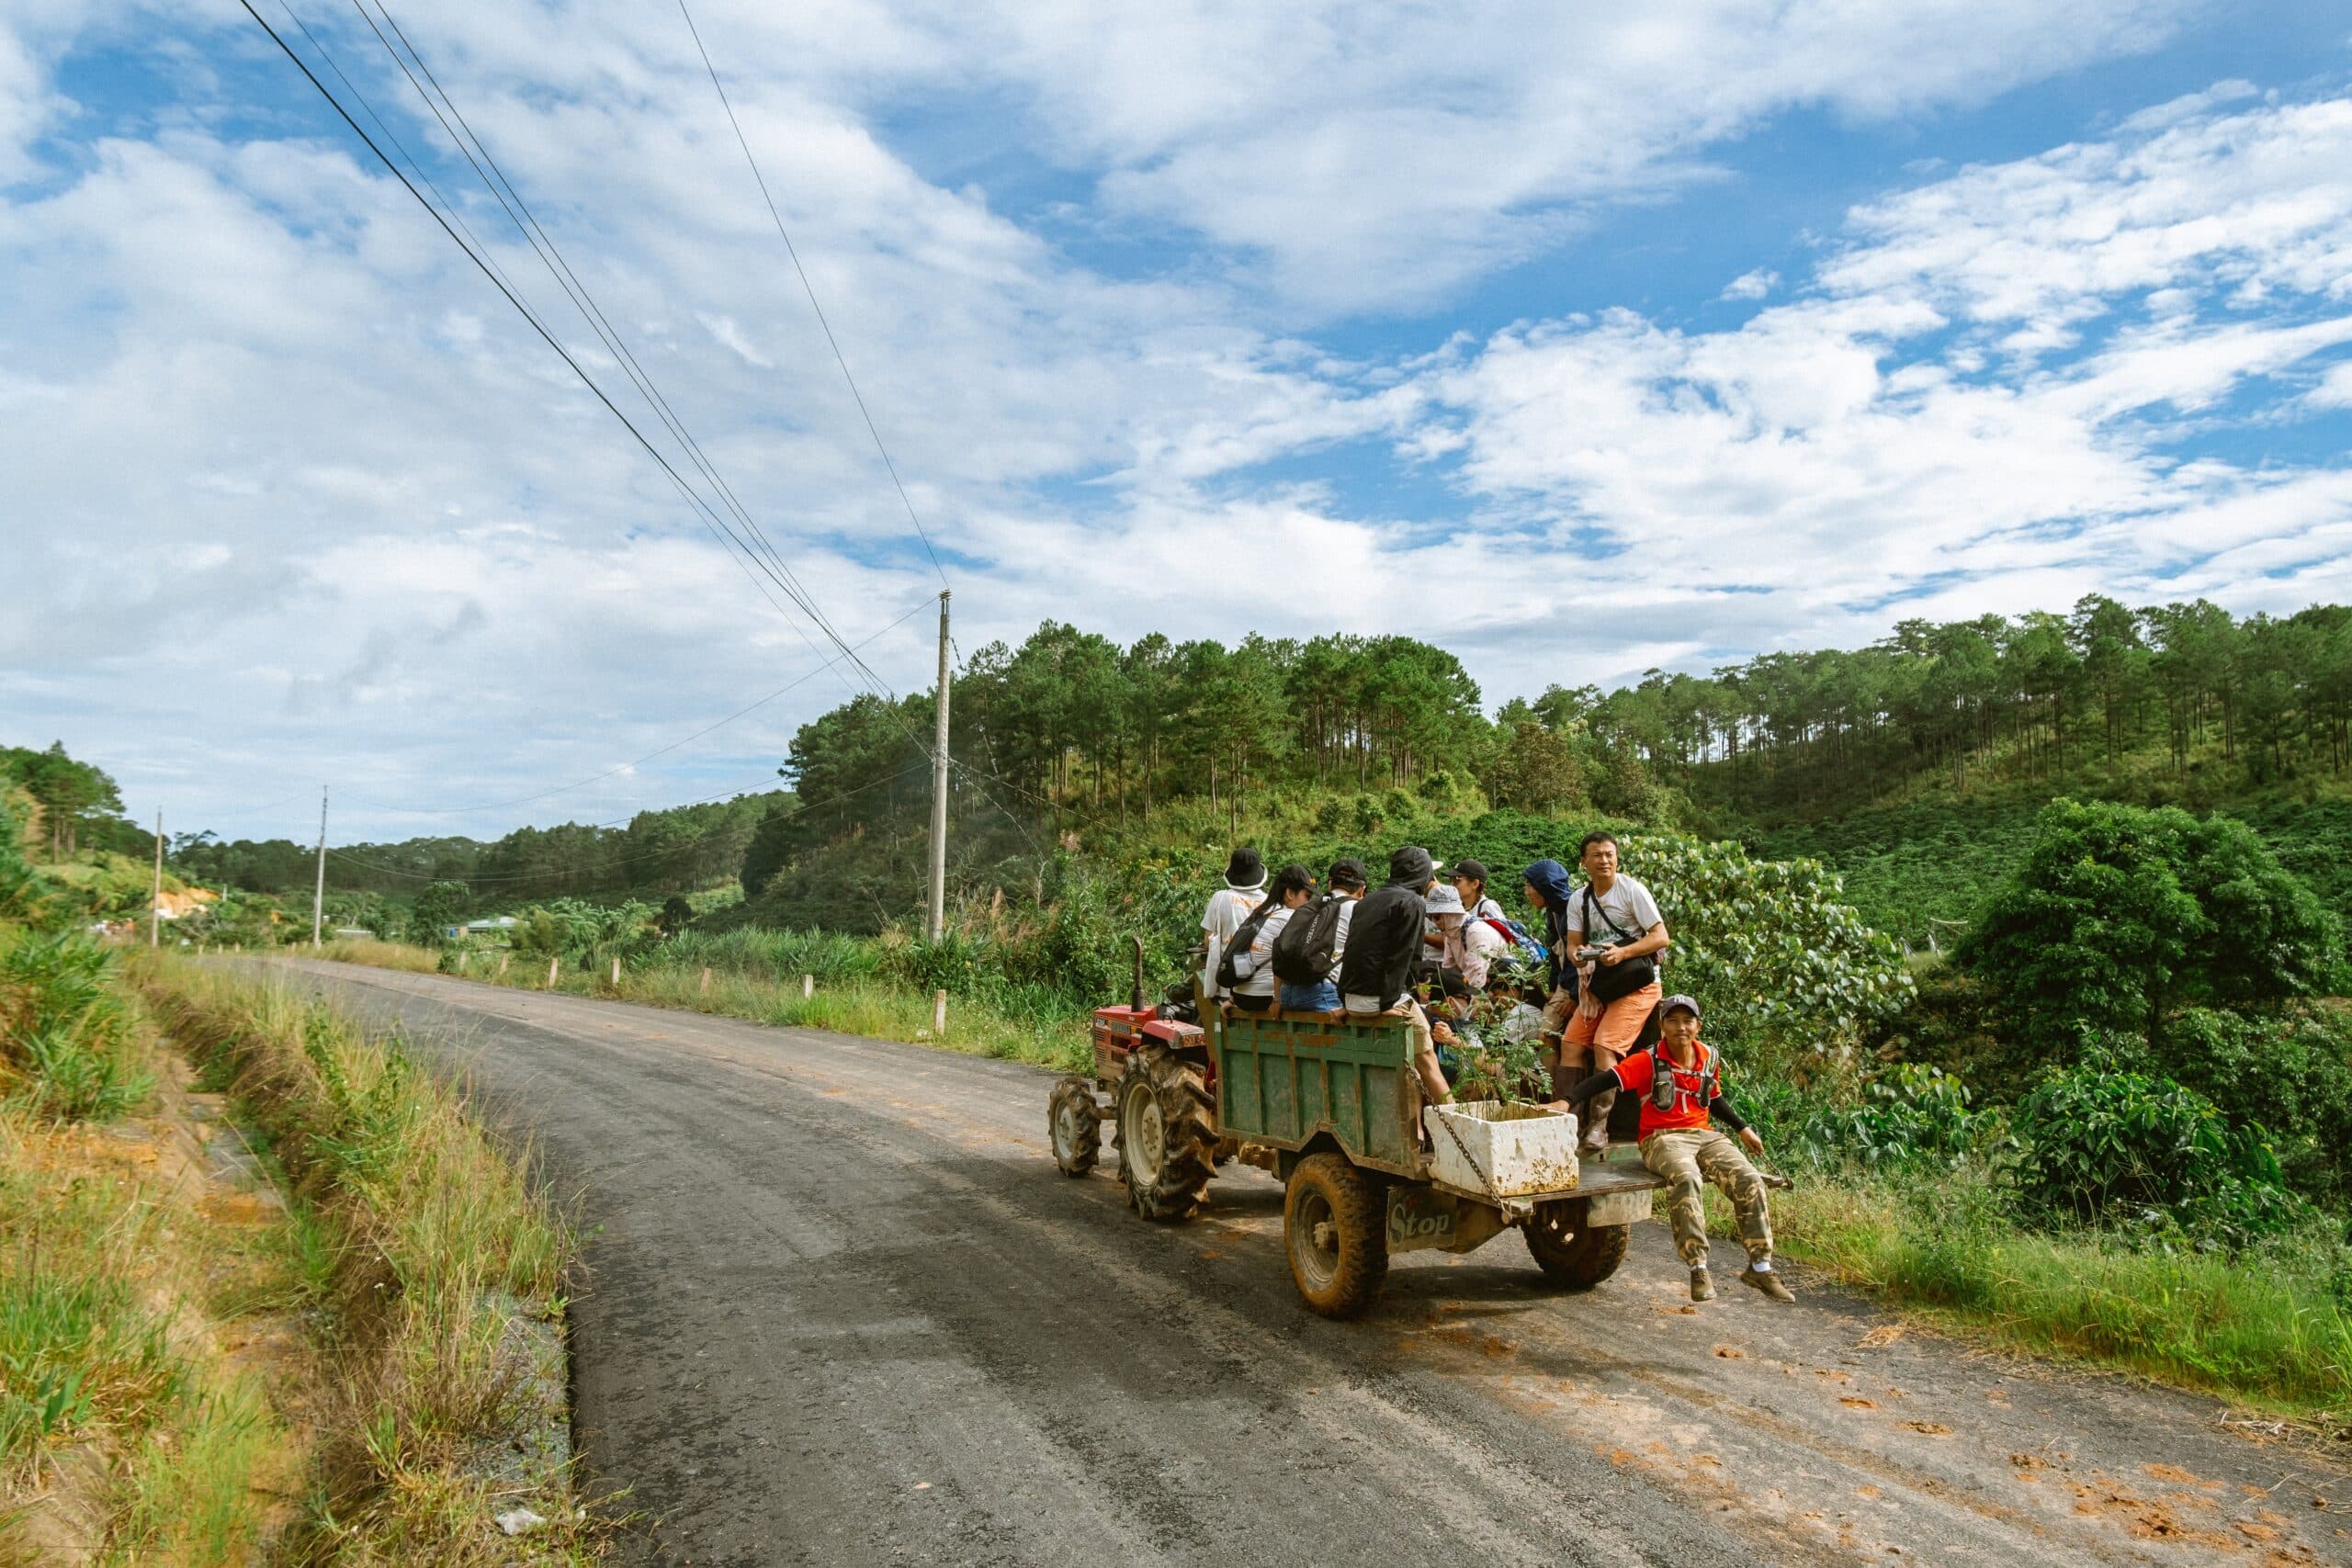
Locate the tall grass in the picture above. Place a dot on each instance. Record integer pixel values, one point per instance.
(2268, 1325)
(97, 1266)
(436, 1242)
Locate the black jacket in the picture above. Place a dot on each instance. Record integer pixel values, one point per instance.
(1385, 936)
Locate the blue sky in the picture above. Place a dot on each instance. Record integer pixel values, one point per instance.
(1577, 344)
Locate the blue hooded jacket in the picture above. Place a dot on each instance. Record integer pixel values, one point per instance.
(1550, 878)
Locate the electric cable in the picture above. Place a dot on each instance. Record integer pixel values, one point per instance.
(518, 211)
(709, 518)
(794, 252)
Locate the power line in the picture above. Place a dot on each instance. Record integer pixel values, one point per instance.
(794, 252)
(710, 518)
(494, 178)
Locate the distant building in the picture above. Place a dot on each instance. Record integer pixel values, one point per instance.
(492, 927)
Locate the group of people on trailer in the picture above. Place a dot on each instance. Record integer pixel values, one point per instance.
(1349, 951)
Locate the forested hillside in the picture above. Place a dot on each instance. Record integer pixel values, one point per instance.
(686, 846)
(1912, 766)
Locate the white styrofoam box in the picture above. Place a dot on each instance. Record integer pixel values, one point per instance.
(1513, 1151)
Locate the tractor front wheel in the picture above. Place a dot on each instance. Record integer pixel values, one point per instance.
(1166, 1136)
(1570, 1252)
(1075, 1126)
(1336, 1234)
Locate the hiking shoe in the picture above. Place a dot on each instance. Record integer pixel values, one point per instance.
(1768, 1283)
(1703, 1285)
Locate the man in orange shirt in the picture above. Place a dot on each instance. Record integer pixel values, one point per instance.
(1679, 1082)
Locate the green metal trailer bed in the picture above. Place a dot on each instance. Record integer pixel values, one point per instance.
(1335, 1109)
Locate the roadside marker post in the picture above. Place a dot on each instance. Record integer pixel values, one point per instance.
(617, 974)
(706, 981)
(938, 1013)
(551, 966)
(502, 962)
(461, 962)
(808, 986)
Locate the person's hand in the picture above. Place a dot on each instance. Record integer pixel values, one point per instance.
(1752, 1139)
(1612, 956)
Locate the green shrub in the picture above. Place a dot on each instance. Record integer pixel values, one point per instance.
(2119, 915)
(1911, 1115)
(64, 1031)
(2290, 1072)
(2132, 1150)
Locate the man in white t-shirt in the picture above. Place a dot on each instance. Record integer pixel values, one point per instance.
(1616, 914)
(1244, 890)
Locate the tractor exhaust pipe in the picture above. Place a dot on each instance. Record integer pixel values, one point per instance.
(1138, 1002)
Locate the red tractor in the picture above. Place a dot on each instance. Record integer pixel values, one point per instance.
(1155, 1069)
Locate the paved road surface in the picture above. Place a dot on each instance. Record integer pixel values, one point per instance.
(843, 1310)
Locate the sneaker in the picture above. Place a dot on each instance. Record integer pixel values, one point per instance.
(1703, 1285)
(1767, 1282)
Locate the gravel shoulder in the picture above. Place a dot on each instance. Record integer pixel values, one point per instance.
(841, 1308)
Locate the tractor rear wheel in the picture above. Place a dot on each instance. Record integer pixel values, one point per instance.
(1075, 1126)
(1336, 1234)
(1166, 1136)
(1570, 1252)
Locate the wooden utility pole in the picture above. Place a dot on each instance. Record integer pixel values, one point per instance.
(319, 895)
(937, 923)
(155, 909)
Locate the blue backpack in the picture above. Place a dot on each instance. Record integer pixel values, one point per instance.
(1530, 949)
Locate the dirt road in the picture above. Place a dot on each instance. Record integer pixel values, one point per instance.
(843, 1310)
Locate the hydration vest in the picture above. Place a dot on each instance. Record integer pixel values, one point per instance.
(1662, 1071)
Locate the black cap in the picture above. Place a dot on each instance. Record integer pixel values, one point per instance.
(1245, 870)
(1470, 871)
(1347, 872)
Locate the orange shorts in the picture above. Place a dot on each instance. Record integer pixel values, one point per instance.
(1618, 1025)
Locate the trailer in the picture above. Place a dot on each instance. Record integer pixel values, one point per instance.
(1334, 1110)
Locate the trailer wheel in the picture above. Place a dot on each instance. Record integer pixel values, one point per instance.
(1336, 1234)
(1166, 1135)
(1075, 1126)
(1569, 1251)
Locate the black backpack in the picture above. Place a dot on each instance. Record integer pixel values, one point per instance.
(1303, 948)
(1243, 939)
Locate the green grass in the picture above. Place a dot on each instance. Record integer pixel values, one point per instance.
(2265, 1326)
(415, 1241)
(96, 1265)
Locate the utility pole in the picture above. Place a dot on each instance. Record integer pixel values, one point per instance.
(319, 897)
(937, 924)
(155, 909)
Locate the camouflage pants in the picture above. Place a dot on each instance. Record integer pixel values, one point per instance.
(1687, 1159)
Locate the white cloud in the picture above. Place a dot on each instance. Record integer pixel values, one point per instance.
(1849, 448)
(294, 495)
